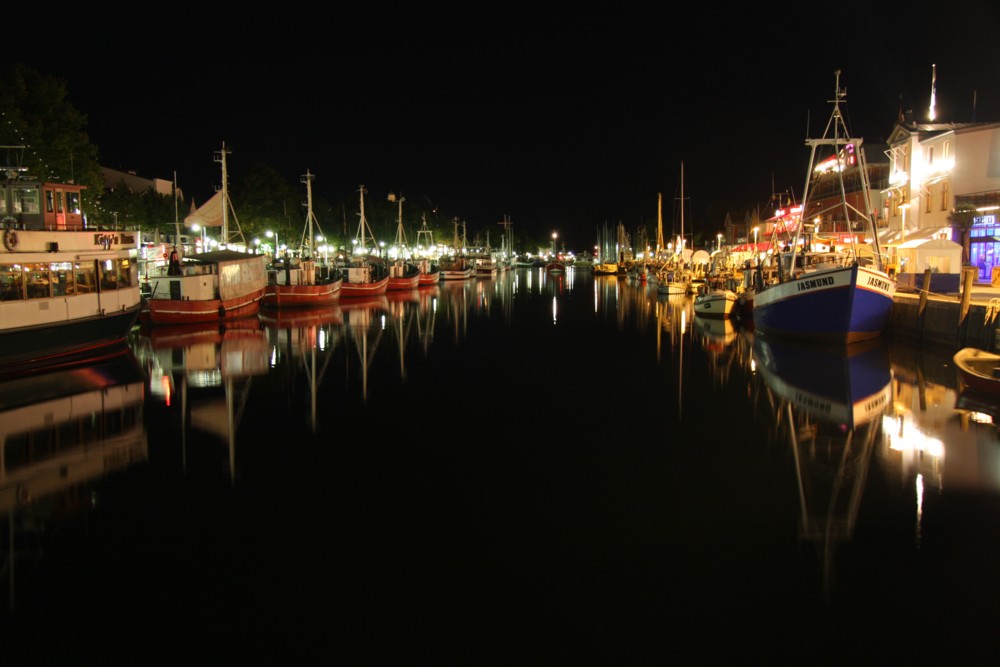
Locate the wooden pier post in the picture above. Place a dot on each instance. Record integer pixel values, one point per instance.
(968, 279)
(922, 306)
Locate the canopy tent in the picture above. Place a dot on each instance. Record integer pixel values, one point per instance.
(208, 214)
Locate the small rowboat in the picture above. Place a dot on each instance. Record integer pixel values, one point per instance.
(978, 370)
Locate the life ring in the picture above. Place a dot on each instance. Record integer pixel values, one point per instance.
(10, 240)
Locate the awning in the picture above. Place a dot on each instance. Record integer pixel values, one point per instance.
(764, 246)
(896, 237)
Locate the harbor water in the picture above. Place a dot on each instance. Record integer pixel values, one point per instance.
(523, 469)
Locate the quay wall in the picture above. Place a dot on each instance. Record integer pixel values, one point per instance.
(943, 321)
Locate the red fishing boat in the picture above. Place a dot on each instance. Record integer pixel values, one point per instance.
(305, 283)
(365, 274)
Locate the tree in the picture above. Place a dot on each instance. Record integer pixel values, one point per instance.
(962, 220)
(37, 114)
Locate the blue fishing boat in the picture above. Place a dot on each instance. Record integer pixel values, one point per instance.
(823, 294)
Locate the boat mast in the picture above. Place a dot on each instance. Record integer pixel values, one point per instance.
(307, 178)
(220, 156)
(659, 225)
(425, 231)
(839, 143)
(400, 233)
(363, 228)
(177, 219)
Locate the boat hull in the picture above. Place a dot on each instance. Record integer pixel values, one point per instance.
(457, 274)
(180, 311)
(404, 283)
(301, 296)
(364, 289)
(716, 304)
(978, 370)
(432, 278)
(841, 305)
(48, 347)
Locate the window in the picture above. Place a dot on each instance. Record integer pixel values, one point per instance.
(73, 202)
(930, 155)
(49, 203)
(11, 282)
(62, 278)
(85, 281)
(927, 198)
(947, 150)
(944, 195)
(37, 276)
(109, 274)
(59, 202)
(25, 200)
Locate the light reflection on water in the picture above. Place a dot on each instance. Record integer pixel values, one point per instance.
(522, 452)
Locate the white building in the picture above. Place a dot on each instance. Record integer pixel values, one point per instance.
(936, 169)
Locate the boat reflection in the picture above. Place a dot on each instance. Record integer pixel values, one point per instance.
(365, 320)
(212, 367)
(829, 404)
(60, 432)
(304, 339)
(718, 338)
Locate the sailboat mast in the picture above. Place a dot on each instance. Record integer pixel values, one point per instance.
(659, 224)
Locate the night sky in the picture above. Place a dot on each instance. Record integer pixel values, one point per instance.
(563, 122)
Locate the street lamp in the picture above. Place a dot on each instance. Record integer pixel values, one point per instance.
(198, 228)
(552, 250)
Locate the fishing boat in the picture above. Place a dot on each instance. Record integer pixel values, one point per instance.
(430, 272)
(978, 370)
(303, 283)
(403, 273)
(458, 266)
(555, 266)
(366, 274)
(213, 286)
(715, 303)
(67, 291)
(839, 297)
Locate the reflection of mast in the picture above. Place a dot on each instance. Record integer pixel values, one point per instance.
(360, 320)
(835, 482)
(426, 315)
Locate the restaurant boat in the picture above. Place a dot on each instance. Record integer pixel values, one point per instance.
(837, 297)
(303, 283)
(212, 286)
(67, 291)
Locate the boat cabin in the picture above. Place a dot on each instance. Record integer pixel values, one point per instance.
(27, 204)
